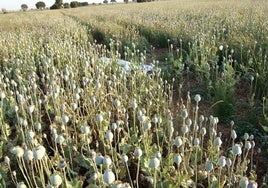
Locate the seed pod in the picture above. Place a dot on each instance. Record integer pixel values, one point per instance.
(217, 142)
(107, 161)
(221, 161)
(233, 134)
(39, 152)
(236, 149)
(85, 129)
(99, 159)
(209, 166)
(65, 119)
(185, 129)
(109, 136)
(18, 151)
(124, 158)
(196, 142)
(178, 141)
(28, 155)
(248, 145)
(60, 139)
(243, 183)
(154, 162)
(55, 180)
(137, 152)
(177, 158)
(108, 177)
(21, 185)
(197, 98)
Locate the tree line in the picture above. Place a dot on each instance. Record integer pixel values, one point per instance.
(59, 4)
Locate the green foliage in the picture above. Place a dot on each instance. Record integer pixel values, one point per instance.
(40, 5)
(158, 37)
(98, 35)
(24, 7)
(172, 68)
(54, 6)
(142, 1)
(83, 4)
(2, 179)
(74, 4)
(265, 114)
(223, 93)
(66, 5)
(224, 103)
(57, 5)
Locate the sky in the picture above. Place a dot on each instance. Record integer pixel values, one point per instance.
(15, 4)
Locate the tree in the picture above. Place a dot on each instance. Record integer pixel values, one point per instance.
(126, 1)
(141, 1)
(54, 6)
(4, 11)
(105, 1)
(57, 5)
(74, 4)
(24, 7)
(83, 4)
(66, 5)
(113, 1)
(40, 5)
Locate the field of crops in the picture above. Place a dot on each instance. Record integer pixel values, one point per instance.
(160, 94)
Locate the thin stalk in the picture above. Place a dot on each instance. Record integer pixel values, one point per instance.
(13, 178)
(157, 136)
(219, 177)
(21, 166)
(155, 175)
(128, 172)
(137, 174)
(32, 172)
(114, 161)
(208, 179)
(232, 168)
(196, 170)
(251, 159)
(202, 147)
(24, 166)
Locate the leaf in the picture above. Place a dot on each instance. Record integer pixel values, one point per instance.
(125, 148)
(3, 172)
(169, 184)
(73, 172)
(6, 131)
(75, 183)
(265, 128)
(83, 162)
